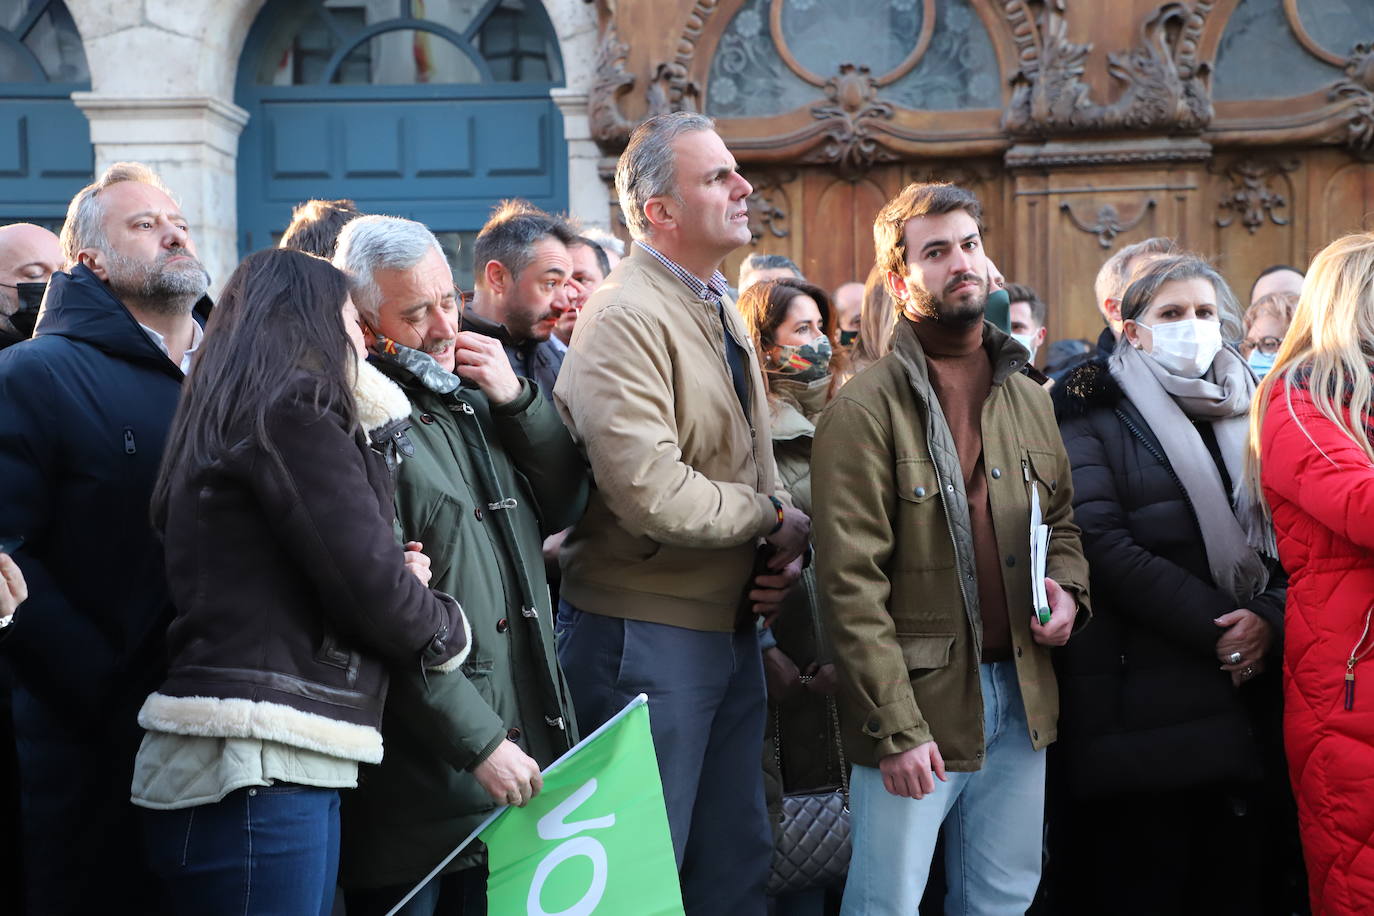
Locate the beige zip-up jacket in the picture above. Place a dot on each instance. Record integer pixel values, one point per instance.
(682, 479)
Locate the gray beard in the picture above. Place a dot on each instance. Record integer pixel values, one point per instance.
(155, 286)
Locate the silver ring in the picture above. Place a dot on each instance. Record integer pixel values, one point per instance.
(1234, 658)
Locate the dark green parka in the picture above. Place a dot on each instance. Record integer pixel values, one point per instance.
(484, 487)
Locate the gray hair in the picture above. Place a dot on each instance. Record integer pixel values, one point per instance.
(1147, 279)
(606, 240)
(771, 262)
(648, 169)
(371, 243)
(84, 227)
(1115, 275)
(509, 237)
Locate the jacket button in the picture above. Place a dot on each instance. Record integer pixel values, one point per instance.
(478, 512)
(427, 418)
(513, 734)
(871, 726)
(920, 492)
(502, 625)
(949, 488)
(1035, 735)
(996, 473)
(1011, 559)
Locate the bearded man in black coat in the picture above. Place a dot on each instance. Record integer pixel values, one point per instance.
(87, 404)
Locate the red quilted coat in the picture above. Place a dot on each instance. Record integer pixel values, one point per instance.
(1320, 486)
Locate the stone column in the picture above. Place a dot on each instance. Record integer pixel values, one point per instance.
(193, 144)
(587, 200)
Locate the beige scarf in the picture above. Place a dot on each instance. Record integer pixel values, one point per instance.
(1221, 397)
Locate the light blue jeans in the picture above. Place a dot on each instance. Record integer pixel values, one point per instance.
(994, 821)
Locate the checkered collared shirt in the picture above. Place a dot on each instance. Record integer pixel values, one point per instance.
(713, 291)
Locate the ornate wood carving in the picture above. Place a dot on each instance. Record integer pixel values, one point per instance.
(1356, 95)
(1251, 197)
(670, 87)
(613, 82)
(1165, 85)
(1108, 224)
(769, 205)
(850, 142)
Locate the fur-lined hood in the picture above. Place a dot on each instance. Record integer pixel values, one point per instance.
(381, 402)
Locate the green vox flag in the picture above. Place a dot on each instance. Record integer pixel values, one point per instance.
(595, 839)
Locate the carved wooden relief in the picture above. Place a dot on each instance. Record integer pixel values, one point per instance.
(1107, 223)
(1164, 83)
(1252, 196)
(770, 205)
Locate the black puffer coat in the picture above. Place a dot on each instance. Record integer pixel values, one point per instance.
(1143, 702)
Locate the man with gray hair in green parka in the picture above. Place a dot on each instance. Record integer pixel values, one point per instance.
(488, 471)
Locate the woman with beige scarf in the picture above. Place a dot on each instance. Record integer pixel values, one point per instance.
(1161, 774)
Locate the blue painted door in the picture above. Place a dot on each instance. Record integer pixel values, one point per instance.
(45, 140)
(428, 109)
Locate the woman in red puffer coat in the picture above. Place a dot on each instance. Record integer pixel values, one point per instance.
(1312, 456)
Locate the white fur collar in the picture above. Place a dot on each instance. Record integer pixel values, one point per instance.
(380, 400)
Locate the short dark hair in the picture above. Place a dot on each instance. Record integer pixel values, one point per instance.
(316, 224)
(510, 235)
(771, 262)
(1273, 269)
(602, 260)
(917, 199)
(1019, 292)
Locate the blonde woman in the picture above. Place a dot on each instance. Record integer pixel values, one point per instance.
(1312, 460)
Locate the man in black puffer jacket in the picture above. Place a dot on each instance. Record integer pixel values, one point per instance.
(86, 408)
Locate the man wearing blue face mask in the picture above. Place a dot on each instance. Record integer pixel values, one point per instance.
(1266, 323)
(28, 256)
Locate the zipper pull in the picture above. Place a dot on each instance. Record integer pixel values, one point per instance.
(1025, 470)
(129, 447)
(1350, 683)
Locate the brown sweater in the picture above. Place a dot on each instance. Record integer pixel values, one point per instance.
(961, 374)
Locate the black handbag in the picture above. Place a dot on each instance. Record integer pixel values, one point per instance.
(814, 847)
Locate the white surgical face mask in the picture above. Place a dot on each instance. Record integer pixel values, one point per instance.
(1027, 341)
(1185, 348)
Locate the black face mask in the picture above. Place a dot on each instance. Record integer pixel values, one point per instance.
(30, 297)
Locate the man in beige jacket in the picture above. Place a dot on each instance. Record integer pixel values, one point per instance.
(687, 535)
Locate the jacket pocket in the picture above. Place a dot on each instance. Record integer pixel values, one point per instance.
(924, 540)
(925, 652)
(1045, 469)
(331, 653)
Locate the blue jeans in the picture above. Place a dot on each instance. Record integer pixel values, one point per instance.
(993, 819)
(263, 850)
(706, 713)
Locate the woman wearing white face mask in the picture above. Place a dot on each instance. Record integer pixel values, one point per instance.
(1167, 787)
(793, 325)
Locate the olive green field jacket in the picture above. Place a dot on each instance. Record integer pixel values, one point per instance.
(894, 552)
(481, 489)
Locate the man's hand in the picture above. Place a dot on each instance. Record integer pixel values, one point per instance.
(417, 562)
(481, 359)
(770, 590)
(791, 539)
(1248, 634)
(510, 776)
(909, 774)
(13, 590)
(781, 675)
(1063, 610)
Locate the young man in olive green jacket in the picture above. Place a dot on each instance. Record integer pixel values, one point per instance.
(923, 470)
(488, 470)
